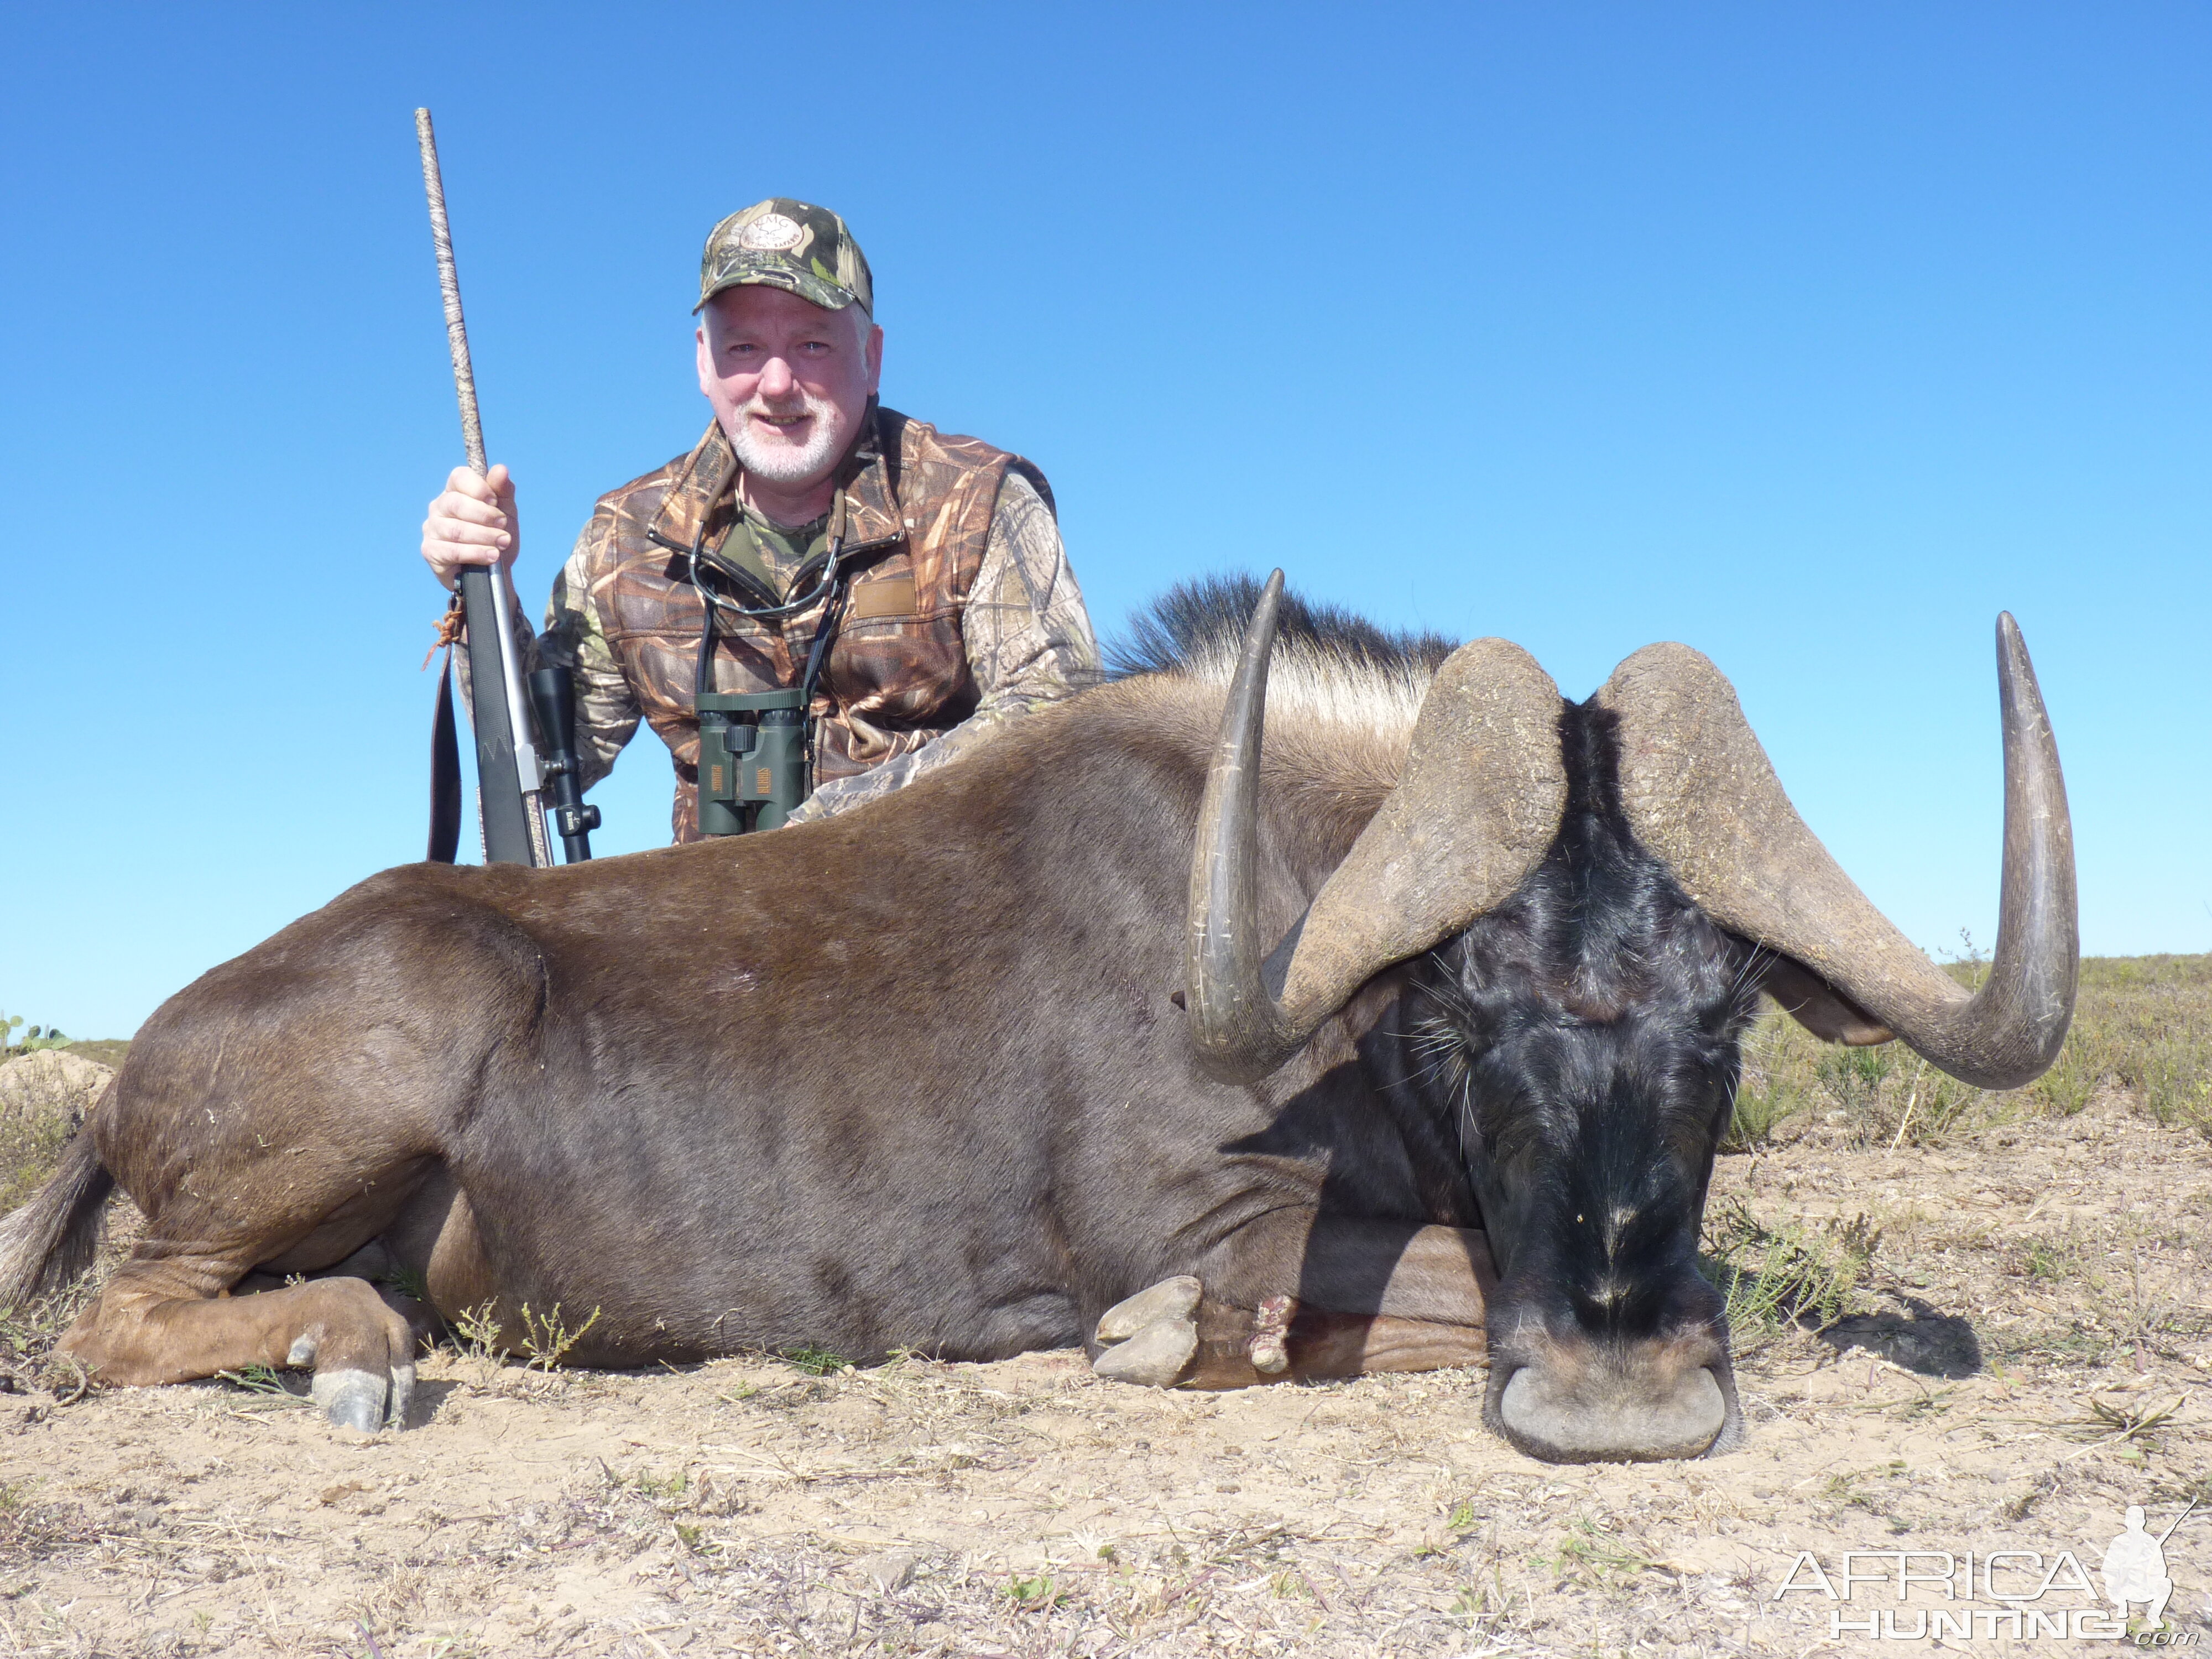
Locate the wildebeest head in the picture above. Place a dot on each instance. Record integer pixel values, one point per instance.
(1595, 895)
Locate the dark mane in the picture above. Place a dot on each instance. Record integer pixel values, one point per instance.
(1206, 616)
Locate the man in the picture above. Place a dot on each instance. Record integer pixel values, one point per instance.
(2134, 1571)
(935, 561)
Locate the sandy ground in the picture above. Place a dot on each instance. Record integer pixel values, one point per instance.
(2038, 1290)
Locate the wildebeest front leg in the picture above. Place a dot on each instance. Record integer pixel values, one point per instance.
(1297, 1296)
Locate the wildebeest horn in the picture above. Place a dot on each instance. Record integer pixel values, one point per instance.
(1476, 806)
(1700, 794)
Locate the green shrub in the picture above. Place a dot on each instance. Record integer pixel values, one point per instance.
(37, 1037)
(1789, 1274)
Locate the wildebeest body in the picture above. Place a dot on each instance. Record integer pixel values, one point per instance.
(965, 1069)
(897, 1080)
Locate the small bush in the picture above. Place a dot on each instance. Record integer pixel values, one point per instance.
(814, 1361)
(1756, 1114)
(2073, 1081)
(37, 1037)
(1790, 1275)
(1854, 1077)
(1767, 1094)
(547, 1339)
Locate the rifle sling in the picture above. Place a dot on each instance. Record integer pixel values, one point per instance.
(444, 771)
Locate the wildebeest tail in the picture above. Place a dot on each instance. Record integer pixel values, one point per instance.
(52, 1239)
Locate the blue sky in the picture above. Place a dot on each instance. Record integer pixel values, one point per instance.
(1811, 335)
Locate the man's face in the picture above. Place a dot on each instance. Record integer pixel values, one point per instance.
(789, 381)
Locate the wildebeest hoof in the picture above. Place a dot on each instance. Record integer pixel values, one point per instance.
(1151, 1336)
(1271, 1334)
(402, 1399)
(352, 1399)
(1157, 1356)
(1171, 1299)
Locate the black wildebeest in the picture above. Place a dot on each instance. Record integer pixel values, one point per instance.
(966, 1069)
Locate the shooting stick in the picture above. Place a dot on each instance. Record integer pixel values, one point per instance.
(2178, 1520)
(508, 771)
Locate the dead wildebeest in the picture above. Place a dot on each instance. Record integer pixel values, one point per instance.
(964, 1070)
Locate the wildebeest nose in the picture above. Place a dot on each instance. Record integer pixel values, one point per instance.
(1616, 1407)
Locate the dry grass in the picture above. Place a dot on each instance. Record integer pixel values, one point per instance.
(2142, 1029)
(28, 1151)
(29, 1145)
(2143, 1025)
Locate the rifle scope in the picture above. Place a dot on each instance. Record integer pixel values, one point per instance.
(556, 698)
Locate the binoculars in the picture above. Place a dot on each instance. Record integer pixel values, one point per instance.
(752, 759)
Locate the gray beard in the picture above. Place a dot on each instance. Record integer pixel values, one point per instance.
(781, 463)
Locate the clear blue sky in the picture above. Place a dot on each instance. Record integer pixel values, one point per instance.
(1813, 335)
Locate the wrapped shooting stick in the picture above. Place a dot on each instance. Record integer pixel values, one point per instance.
(508, 770)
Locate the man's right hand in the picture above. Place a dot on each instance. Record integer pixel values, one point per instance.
(473, 522)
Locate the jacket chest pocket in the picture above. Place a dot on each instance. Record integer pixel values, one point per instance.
(906, 669)
(890, 596)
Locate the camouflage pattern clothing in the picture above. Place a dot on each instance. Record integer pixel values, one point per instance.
(791, 245)
(960, 611)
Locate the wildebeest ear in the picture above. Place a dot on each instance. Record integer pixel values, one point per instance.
(1818, 1006)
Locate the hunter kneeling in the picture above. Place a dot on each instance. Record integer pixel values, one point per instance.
(911, 585)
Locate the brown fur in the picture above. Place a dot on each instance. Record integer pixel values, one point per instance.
(910, 1077)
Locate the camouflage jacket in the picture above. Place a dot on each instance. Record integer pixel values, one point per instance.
(961, 612)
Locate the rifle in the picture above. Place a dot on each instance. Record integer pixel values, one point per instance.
(509, 775)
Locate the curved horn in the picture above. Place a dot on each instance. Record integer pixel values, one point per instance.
(1699, 793)
(1477, 804)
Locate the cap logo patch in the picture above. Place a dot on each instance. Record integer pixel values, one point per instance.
(772, 232)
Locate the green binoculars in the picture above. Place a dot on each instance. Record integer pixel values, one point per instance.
(752, 759)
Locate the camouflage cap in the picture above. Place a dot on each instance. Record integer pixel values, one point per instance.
(794, 245)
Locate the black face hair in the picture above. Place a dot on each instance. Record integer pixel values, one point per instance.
(1585, 1038)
